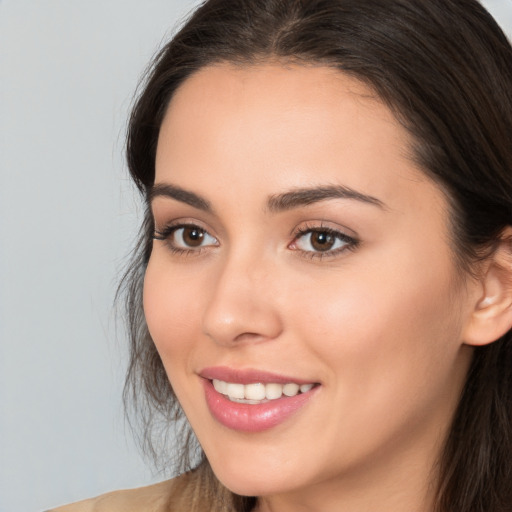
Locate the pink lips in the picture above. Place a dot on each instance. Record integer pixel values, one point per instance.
(251, 417)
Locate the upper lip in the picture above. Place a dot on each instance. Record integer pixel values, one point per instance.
(248, 376)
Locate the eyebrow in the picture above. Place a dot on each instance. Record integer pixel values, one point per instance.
(179, 194)
(276, 203)
(307, 196)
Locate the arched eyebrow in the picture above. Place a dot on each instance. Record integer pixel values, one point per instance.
(179, 194)
(275, 203)
(307, 196)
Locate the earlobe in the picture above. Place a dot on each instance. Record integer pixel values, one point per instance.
(491, 316)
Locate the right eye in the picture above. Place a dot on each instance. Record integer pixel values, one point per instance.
(185, 238)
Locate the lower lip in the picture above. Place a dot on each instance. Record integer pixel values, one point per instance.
(253, 417)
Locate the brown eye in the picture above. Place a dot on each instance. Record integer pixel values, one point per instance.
(322, 240)
(192, 236)
(186, 238)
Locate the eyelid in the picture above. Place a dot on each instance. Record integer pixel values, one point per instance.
(352, 241)
(322, 224)
(165, 234)
(175, 223)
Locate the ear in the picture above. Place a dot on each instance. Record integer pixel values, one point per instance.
(491, 316)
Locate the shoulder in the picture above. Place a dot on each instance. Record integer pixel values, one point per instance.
(153, 498)
(196, 490)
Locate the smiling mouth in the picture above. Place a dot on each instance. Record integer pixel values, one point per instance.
(258, 393)
(252, 400)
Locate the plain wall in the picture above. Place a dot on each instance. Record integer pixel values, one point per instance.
(68, 215)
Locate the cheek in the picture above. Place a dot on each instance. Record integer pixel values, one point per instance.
(387, 329)
(388, 345)
(171, 309)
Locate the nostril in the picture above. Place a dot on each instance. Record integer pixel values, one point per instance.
(249, 336)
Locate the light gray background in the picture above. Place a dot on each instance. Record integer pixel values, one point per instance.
(68, 215)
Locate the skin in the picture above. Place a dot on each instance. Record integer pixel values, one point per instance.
(379, 325)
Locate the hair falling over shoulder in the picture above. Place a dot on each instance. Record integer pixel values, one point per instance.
(444, 67)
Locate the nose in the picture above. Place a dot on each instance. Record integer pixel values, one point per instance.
(242, 306)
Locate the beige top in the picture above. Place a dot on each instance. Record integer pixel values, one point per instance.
(195, 491)
(154, 498)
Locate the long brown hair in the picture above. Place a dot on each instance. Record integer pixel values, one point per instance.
(444, 67)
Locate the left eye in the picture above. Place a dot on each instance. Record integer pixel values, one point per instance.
(321, 240)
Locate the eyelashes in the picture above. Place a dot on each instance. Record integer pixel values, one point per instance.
(185, 238)
(321, 241)
(310, 241)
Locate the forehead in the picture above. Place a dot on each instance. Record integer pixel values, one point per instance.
(293, 80)
(282, 126)
(273, 90)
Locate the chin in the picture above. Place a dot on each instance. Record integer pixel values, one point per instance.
(253, 481)
(252, 487)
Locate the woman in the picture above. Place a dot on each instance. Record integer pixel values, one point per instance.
(324, 274)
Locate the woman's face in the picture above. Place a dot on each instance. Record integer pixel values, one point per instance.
(297, 244)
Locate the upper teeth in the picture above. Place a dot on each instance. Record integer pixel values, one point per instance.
(258, 391)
